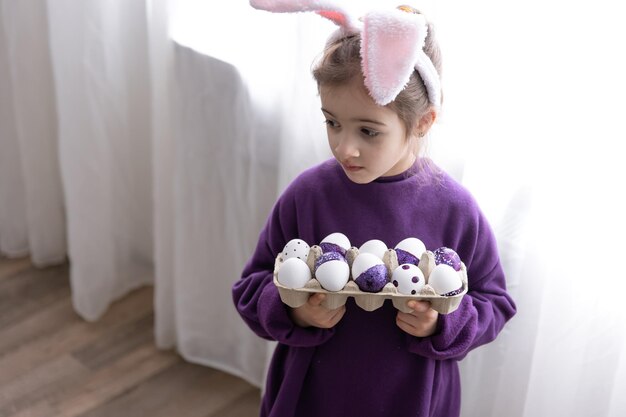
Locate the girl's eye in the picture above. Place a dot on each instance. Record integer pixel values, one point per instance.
(369, 132)
(331, 123)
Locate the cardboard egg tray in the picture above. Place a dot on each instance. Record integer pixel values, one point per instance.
(296, 297)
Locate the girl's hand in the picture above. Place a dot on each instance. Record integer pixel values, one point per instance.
(421, 322)
(312, 313)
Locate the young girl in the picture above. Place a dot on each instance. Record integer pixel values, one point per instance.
(379, 86)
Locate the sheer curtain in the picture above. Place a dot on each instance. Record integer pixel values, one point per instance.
(31, 198)
(152, 161)
(75, 173)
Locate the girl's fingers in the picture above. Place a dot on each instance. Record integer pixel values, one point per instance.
(404, 325)
(405, 318)
(332, 317)
(338, 314)
(316, 299)
(419, 306)
(417, 324)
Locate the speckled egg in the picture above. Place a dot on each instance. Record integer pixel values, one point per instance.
(369, 272)
(335, 242)
(445, 280)
(447, 256)
(296, 248)
(332, 271)
(410, 251)
(408, 279)
(375, 247)
(294, 273)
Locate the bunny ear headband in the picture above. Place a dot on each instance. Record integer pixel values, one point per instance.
(392, 43)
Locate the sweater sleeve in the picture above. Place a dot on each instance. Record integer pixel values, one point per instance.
(484, 309)
(256, 297)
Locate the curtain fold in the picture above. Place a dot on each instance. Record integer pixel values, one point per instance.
(214, 214)
(163, 157)
(13, 229)
(30, 185)
(100, 61)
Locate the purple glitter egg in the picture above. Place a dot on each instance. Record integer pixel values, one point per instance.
(372, 279)
(328, 247)
(329, 256)
(448, 257)
(405, 257)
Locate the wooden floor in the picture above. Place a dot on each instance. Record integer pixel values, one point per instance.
(54, 364)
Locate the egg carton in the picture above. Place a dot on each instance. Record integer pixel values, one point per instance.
(296, 297)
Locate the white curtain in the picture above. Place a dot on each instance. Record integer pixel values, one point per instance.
(31, 197)
(150, 161)
(75, 143)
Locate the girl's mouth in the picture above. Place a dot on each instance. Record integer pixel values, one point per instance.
(351, 168)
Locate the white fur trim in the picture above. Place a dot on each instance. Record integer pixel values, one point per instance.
(385, 74)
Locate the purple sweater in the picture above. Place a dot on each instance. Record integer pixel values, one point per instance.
(366, 365)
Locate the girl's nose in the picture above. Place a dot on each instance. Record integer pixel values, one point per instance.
(346, 148)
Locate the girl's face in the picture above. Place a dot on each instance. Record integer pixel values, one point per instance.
(368, 140)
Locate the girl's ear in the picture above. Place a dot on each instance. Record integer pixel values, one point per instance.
(425, 122)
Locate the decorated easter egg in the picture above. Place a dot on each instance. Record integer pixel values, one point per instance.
(369, 272)
(332, 271)
(375, 247)
(335, 242)
(447, 256)
(445, 280)
(295, 248)
(410, 251)
(408, 279)
(294, 273)
(329, 256)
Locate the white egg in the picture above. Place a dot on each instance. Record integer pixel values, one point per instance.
(338, 239)
(333, 275)
(413, 246)
(408, 279)
(296, 248)
(294, 273)
(445, 280)
(375, 247)
(363, 262)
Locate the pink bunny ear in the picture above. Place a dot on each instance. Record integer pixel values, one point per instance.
(392, 44)
(391, 48)
(326, 8)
